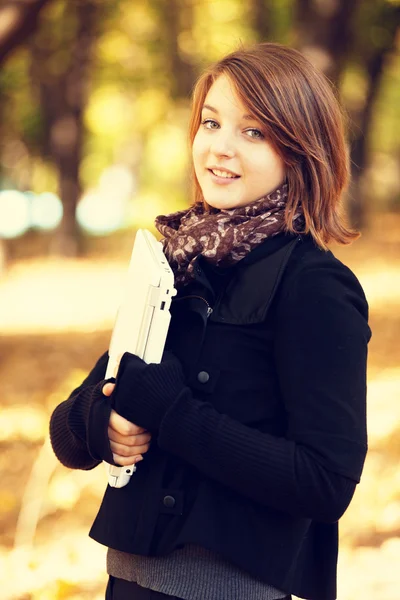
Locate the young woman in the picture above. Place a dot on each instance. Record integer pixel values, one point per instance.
(256, 414)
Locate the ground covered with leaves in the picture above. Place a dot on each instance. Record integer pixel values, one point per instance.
(56, 317)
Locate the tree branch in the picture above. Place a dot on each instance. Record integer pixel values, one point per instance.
(18, 20)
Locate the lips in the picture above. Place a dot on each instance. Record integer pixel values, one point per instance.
(222, 180)
(223, 173)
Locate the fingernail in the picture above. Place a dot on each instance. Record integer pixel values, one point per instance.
(139, 458)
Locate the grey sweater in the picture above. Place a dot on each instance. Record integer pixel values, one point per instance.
(191, 573)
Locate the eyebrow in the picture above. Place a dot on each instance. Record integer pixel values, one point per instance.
(214, 110)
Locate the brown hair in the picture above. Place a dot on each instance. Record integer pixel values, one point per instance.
(302, 119)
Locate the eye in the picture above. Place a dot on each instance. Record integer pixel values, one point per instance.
(209, 124)
(256, 134)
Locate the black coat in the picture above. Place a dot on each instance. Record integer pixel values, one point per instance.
(258, 453)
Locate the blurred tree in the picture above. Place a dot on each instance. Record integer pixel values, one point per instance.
(379, 27)
(261, 19)
(61, 58)
(18, 20)
(325, 32)
(176, 18)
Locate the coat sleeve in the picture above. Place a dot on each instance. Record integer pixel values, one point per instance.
(320, 354)
(79, 425)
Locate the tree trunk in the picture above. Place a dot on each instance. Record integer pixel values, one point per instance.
(260, 19)
(63, 99)
(18, 20)
(325, 33)
(176, 17)
(375, 68)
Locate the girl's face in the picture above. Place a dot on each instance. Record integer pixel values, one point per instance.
(234, 163)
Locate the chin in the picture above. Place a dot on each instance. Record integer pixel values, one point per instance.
(223, 204)
(220, 205)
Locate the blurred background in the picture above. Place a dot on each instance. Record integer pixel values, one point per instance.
(94, 108)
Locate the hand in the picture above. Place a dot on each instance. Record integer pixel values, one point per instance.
(127, 440)
(144, 392)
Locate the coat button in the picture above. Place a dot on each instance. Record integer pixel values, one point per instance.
(169, 501)
(203, 377)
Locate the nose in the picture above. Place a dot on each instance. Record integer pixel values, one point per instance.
(222, 144)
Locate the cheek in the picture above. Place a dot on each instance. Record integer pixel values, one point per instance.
(276, 161)
(271, 163)
(201, 142)
(196, 150)
(280, 167)
(199, 152)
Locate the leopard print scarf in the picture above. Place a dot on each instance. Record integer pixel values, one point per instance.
(223, 237)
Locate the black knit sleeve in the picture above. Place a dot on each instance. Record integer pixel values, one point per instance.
(78, 426)
(320, 353)
(321, 356)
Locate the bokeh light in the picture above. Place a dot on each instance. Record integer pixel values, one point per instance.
(103, 210)
(15, 215)
(99, 214)
(46, 211)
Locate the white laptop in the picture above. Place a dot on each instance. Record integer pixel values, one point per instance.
(143, 318)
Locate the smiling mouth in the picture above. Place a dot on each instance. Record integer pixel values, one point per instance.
(223, 174)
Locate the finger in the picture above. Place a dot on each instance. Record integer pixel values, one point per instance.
(124, 461)
(108, 389)
(129, 440)
(123, 426)
(122, 450)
